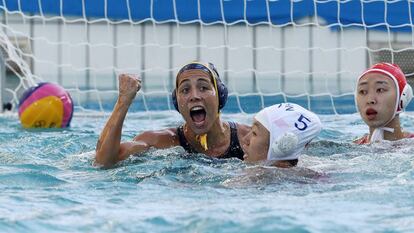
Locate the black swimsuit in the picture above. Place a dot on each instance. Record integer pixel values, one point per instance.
(234, 149)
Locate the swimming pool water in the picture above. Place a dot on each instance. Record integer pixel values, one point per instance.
(48, 183)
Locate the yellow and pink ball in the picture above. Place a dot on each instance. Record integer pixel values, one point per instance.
(46, 105)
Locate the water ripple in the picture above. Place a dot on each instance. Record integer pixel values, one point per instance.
(49, 184)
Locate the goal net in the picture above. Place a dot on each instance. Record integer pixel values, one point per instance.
(266, 51)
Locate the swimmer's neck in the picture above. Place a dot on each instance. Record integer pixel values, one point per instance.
(391, 136)
(215, 136)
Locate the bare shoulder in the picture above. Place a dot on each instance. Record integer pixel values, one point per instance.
(242, 130)
(160, 139)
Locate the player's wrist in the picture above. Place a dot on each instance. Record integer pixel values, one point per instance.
(124, 100)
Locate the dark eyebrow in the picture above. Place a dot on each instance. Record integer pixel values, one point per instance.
(363, 83)
(183, 81)
(203, 80)
(377, 82)
(382, 82)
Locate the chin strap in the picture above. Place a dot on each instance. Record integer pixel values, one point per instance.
(378, 134)
(202, 139)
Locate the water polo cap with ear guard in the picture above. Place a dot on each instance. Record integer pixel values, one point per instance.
(291, 128)
(209, 68)
(404, 92)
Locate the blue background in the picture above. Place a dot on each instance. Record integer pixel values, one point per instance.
(391, 15)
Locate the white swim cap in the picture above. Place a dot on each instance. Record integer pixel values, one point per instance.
(291, 127)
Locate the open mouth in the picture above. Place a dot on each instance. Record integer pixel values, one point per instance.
(198, 114)
(371, 113)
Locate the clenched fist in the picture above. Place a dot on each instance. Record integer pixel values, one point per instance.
(129, 85)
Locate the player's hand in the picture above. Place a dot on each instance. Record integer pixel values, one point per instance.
(129, 85)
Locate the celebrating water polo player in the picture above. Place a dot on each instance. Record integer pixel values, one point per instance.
(279, 134)
(382, 93)
(199, 96)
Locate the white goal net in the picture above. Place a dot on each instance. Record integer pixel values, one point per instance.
(266, 51)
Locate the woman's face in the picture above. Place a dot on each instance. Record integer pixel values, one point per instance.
(376, 99)
(197, 100)
(256, 143)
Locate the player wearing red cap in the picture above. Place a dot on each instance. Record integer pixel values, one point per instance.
(382, 93)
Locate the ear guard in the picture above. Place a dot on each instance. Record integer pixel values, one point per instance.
(406, 96)
(209, 68)
(284, 145)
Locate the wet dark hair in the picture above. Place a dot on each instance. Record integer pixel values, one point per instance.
(293, 162)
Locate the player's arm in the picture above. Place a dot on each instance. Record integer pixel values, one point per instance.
(108, 148)
(159, 139)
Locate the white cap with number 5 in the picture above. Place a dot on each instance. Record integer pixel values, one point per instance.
(291, 128)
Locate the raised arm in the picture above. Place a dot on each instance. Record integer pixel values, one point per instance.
(108, 148)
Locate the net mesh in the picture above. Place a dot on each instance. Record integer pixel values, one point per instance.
(306, 52)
